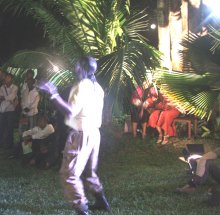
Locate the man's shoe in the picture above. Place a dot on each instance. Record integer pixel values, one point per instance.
(82, 212)
(186, 189)
(101, 203)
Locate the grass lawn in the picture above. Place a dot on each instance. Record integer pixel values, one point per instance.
(139, 179)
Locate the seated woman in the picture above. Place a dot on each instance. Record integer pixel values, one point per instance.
(139, 107)
(162, 118)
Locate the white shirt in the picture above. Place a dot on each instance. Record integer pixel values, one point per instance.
(86, 101)
(30, 100)
(38, 133)
(10, 94)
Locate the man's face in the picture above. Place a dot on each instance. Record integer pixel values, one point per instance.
(8, 79)
(30, 83)
(29, 75)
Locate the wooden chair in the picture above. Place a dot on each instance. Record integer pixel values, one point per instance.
(190, 121)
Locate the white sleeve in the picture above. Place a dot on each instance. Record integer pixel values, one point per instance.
(12, 95)
(43, 133)
(30, 132)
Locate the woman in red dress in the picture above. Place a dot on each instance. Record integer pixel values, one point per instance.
(162, 119)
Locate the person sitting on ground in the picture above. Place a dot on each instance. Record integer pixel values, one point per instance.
(40, 137)
(139, 108)
(205, 167)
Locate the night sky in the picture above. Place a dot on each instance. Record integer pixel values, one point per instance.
(18, 33)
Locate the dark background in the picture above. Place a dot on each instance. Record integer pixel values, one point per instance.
(22, 32)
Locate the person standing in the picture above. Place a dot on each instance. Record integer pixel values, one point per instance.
(29, 104)
(8, 97)
(83, 113)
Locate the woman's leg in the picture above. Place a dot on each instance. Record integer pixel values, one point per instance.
(134, 128)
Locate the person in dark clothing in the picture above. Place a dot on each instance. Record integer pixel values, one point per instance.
(205, 167)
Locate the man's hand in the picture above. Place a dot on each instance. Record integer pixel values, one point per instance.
(137, 102)
(48, 87)
(26, 109)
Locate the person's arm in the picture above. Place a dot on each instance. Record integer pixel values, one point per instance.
(12, 95)
(61, 105)
(201, 163)
(34, 101)
(43, 133)
(29, 132)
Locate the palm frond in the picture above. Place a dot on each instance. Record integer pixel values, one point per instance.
(194, 93)
(215, 35)
(123, 70)
(196, 56)
(104, 29)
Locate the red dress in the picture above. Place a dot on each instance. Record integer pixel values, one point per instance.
(138, 111)
(163, 117)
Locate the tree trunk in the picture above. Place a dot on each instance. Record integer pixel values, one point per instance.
(163, 31)
(175, 24)
(176, 20)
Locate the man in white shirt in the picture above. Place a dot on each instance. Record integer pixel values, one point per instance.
(83, 116)
(8, 97)
(29, 104)
(40, 138)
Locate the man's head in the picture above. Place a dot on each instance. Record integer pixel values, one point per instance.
(29, 74)
(86, 68)
(42, 121)
(8, 79)
(30, 83)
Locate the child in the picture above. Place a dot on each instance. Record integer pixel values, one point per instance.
(39, 139)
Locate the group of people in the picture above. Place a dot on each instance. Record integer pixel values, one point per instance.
(149, 107)
(82, 117)
(19, 108)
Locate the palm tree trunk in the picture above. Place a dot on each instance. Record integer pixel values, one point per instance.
(164, 31)
(175, 24)
(176, 19)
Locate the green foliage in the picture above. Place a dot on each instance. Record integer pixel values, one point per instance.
(197, 89)
(105, 29)
(194, 93)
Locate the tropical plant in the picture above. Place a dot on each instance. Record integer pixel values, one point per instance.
(197, 89)
(105, 29)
